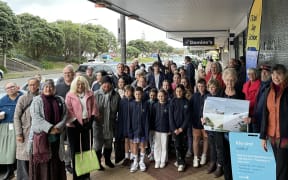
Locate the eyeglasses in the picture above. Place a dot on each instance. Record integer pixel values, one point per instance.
(10, 88)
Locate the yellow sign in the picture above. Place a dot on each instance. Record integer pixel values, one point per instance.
(253, 36)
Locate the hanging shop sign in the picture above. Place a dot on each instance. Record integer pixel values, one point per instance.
(198, 41)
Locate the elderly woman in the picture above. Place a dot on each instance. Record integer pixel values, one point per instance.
(229, 77)
(7, 134)
(274, 123)
(215, 73)
(82, 110)
(48, 114)
(22, 123)
(250, 89)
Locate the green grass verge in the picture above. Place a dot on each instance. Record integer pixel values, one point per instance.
(141, 60)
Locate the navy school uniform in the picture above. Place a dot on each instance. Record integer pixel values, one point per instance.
(178, 118)
(196, 106)
(124, 117)
(150, 118)
(138, 125)
(160, 117)
(178, 114)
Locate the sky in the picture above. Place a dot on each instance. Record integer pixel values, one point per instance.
(83, 11)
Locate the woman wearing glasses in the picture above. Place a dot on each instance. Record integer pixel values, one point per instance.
(7, 133)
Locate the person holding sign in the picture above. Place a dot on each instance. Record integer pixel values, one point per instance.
(274, 124)
(230, 79)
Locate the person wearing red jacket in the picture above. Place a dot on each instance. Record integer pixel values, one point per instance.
(250, 89)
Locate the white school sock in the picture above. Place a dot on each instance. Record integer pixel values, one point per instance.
(142, 156)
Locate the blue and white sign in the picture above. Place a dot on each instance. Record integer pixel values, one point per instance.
(249, 160)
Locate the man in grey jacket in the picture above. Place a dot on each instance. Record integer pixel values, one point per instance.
(107, 100)
(22, 123)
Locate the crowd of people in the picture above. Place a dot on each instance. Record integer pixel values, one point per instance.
(142, 114)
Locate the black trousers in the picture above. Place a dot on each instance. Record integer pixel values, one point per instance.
(22, 170)
(180, 142)
(212, 146)
(281, 156)
(74, 141)
(223, 148)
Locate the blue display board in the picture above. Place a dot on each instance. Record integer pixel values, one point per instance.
(249, 160)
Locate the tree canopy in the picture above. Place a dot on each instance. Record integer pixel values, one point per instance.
(9, 30)
(36, 38)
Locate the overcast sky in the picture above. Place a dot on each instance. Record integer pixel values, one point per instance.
(82, 11)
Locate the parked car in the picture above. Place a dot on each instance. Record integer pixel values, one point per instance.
(96, 68)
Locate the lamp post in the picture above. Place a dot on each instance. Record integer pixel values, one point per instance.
(79, 38)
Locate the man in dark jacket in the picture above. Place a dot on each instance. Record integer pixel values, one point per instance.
(190, 71)
(258, 110)
(156, 78)
(120, 73)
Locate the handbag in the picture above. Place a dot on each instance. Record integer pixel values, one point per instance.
(86, 161)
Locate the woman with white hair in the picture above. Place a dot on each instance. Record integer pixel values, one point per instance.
(82, 110)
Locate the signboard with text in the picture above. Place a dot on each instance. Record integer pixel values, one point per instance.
(249, 160)
(253, 34)
(198, 41)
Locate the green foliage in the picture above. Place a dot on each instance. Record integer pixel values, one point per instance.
(39, 38)
(47, 64)
(3, 69)
(9, 30)
(140, 44)
(132, 52)
(146, 47)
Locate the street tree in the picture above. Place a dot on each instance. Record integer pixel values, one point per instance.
(132, 52)
(9, 30)
(39, 37)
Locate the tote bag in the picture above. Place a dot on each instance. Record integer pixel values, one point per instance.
(86, 161)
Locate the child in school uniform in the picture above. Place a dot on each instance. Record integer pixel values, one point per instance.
(160, 121)
(197, 103)
(123, 118)
(151, 101)
(167, 87)
(216, 155)
(178, 122)
(138, 128)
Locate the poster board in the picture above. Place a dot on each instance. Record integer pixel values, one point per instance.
(249, 160)
(224, 114)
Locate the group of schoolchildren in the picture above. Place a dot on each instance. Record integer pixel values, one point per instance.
(150, 122)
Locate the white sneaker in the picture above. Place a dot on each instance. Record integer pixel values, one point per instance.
(157, 165)
(176, 164)
(142, 166)
(162, 165)
(134, 167)
(195, 162)
(181, 168)
(203, 159)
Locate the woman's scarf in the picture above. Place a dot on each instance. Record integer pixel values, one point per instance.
(41, 148)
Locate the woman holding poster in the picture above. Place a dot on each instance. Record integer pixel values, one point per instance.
(229, 77)
(274, 123)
